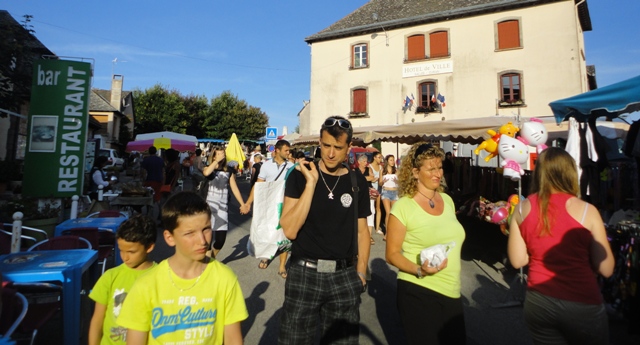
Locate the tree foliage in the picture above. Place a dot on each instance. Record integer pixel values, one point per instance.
(18, 49)
(160, 110)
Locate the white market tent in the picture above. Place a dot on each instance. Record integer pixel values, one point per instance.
(170, 135)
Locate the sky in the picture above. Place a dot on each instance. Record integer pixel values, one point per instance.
(254, 49)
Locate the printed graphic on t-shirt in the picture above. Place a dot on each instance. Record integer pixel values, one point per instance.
(118, 333)
(196, 322)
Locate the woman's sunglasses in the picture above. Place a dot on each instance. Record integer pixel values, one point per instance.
(332, 121)
(421, 149)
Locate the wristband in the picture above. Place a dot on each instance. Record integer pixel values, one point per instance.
(419, 272)
(362, 276)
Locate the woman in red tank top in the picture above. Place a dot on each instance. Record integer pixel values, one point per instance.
(563, 240)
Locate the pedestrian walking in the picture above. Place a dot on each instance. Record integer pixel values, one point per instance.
(221, 178)
(272, 170)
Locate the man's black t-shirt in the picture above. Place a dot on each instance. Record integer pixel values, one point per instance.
(328, 231)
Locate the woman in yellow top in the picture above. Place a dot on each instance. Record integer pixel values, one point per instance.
(428, 297)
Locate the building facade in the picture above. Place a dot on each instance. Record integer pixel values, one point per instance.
(395, 62)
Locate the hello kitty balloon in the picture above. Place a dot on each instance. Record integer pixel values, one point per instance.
(514, 153)
(535, 134)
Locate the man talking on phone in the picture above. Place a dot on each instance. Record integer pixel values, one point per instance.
(330, 249)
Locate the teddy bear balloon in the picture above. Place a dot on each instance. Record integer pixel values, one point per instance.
(514, 153)
(491, 145)
(535, 134)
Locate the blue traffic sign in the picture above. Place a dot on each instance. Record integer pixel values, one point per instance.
(271, 148)
(272, 133)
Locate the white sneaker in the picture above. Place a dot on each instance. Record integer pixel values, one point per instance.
(379, 232)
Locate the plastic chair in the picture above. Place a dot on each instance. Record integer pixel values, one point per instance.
(103, 240)
(44, 300)
(61, 243)
(5, 242)
(14, 310)
(39, 234)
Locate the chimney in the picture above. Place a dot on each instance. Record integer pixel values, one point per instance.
(116, 91)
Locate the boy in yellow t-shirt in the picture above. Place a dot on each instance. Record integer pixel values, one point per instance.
(188, 298)
(136, 238)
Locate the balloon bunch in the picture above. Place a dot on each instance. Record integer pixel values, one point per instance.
(498, 212)
(515, 151)
(491, 145)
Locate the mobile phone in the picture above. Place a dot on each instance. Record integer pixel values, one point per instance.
(308, 159)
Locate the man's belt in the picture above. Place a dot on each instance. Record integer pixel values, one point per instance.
(323, 266)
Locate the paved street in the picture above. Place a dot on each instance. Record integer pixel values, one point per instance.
(491, 292)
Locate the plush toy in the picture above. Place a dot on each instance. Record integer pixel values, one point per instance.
(514, 153)
(491, 145)
(535, 134)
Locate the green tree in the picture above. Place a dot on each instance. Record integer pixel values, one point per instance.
(158, 109)
(196, 110)
(231, 115)
(18, 50)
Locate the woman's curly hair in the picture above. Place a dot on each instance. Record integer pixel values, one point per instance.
(408, 184)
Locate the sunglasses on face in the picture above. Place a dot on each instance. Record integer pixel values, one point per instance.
(421, 149)
(332, 121)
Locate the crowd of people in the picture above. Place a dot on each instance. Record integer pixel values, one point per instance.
(330, 213)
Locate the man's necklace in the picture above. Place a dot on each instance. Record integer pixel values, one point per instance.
(326, 185)
(431, 203)
(190, 287)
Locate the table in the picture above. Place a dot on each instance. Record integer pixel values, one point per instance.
(111, 223)
(65, 266)
(134, 202)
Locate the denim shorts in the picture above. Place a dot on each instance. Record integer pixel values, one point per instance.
(390, 194)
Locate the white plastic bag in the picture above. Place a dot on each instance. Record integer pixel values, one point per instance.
(436, 253)
(266, 238)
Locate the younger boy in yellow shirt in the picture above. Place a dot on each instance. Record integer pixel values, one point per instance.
(136, 238)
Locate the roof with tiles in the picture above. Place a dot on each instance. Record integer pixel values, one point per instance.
(98, 103)
(393, 14)
(7, 21)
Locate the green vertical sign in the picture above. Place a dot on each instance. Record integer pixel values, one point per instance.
(57, 129)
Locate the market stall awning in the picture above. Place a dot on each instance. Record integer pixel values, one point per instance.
(469, 131)
(611, 101)
(169, 135)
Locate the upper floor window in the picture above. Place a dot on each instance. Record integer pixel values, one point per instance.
(427, 101)
(511, 86)
(509, 34)
(438, 44)
(359, 102)
(359, 56)
(415, 48)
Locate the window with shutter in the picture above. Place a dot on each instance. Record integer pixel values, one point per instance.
(359, 101)
(439, 44)
(415, 48)
(509, 34)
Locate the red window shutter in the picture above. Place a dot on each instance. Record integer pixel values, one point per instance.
(360, 101)
(508, 34)
(439, 44)
(415, 49)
